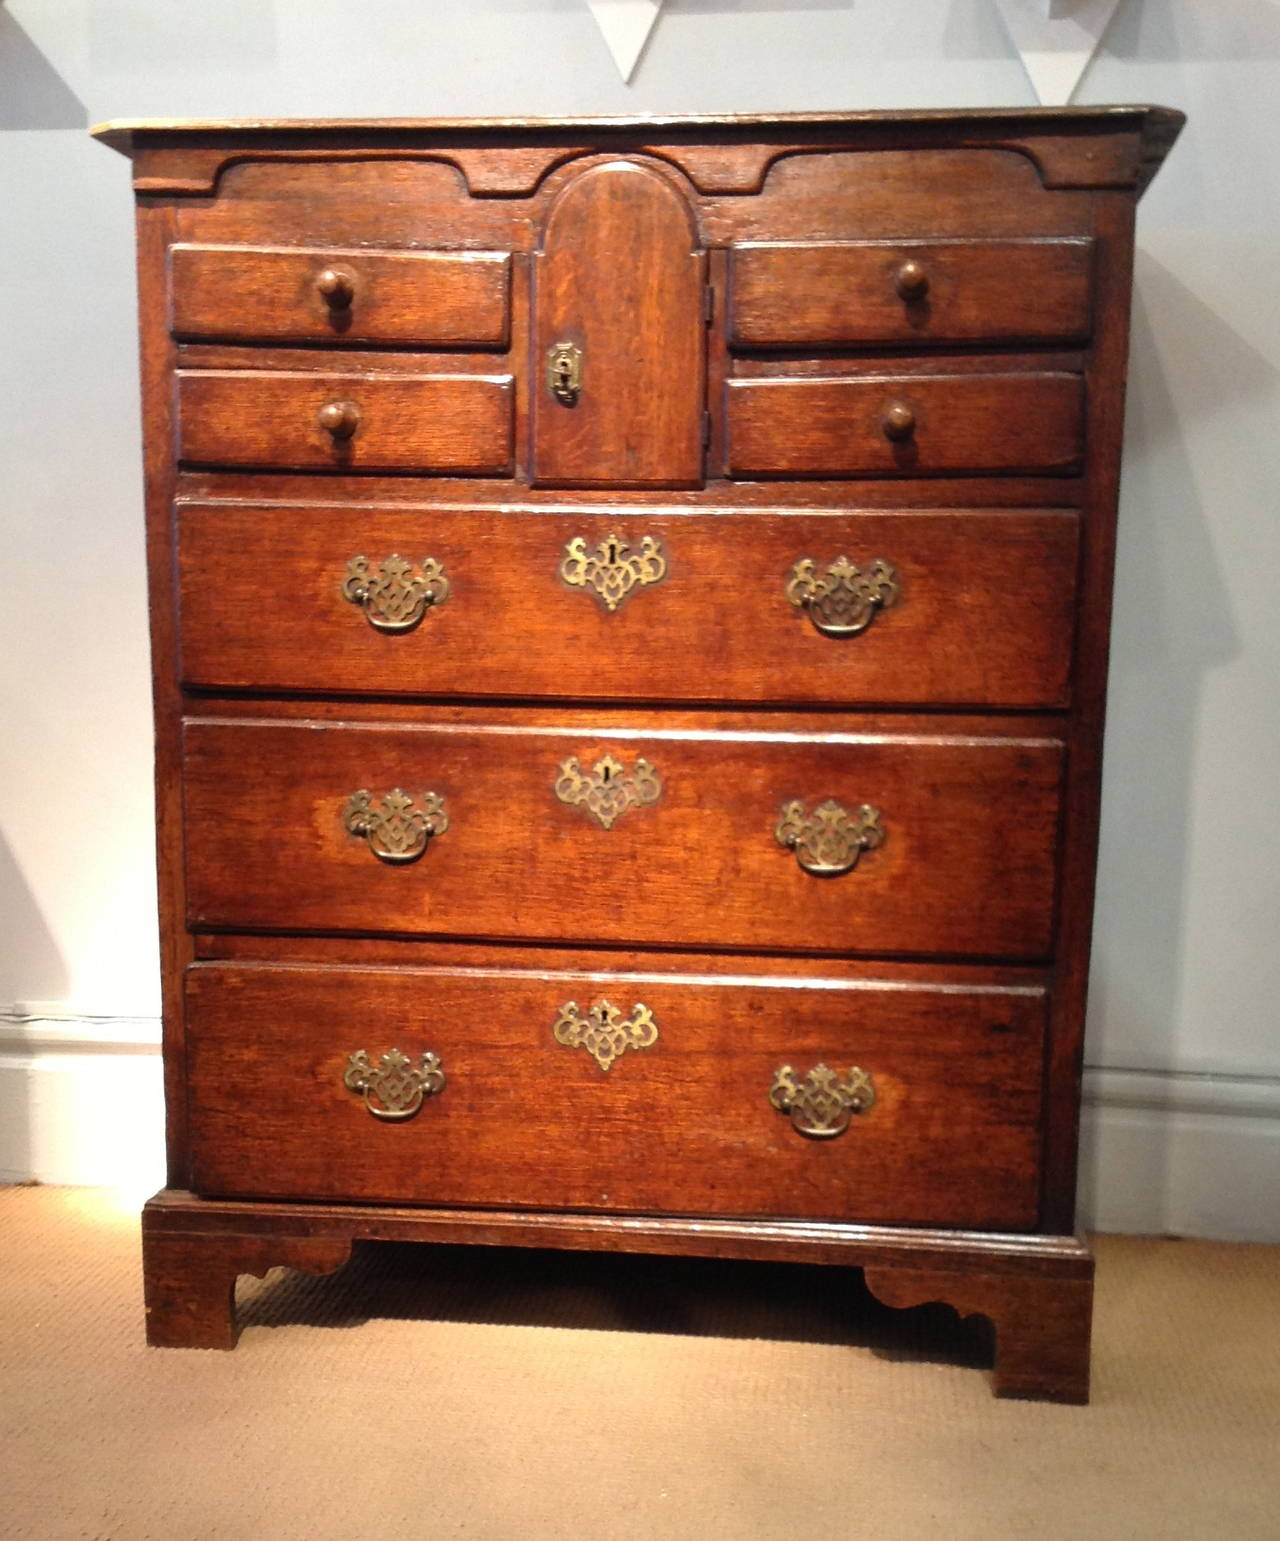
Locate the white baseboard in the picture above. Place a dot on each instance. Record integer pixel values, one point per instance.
(1171, 1153)
(1162, 1153)
(81, 1101)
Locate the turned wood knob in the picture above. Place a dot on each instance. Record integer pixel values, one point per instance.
(912, 281)
(899, 421)
(338, 286)
(340, 418)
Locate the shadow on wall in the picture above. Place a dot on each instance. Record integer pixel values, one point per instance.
(1141, 29)
(1173, 625)
(32, 93)
(29, 952)
(1177, 29)
(29, 949)
(232, 38)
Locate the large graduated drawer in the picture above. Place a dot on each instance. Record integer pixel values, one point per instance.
(680, 1121)
(669, 836)
(928, 607)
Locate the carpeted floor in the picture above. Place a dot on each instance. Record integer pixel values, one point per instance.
(446, 1392)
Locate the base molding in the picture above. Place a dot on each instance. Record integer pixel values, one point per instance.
(1036, 1290)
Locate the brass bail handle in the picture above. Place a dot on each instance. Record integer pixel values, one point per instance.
(564, 373)
(395, 1087)
(842, 599)
(822, 1102)
(828, 842)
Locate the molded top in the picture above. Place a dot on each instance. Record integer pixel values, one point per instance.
(120, 133)
(1156, 128)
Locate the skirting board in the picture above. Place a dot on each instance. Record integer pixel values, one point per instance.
(1162, 1153)
(82, 1102)
(1169, 1153)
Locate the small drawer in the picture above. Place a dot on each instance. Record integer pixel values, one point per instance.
(904, 425)
(304, 421)
(456, 299)
(915, 608)
(845, 294)
(760, 838)
(828, 1099)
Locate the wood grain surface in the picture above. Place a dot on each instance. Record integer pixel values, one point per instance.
(445, 422)
(836, 427)
(967, 864)
(983, 614)
(840, 293)
(684, 1125)
(621, 276)
(274, 294)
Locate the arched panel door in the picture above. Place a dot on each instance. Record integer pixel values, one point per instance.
(619, 388)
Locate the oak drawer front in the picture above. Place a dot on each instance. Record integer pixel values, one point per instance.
(298, 420)
(317, 294)
(932, 1119)
(943, 608)
(903, 425)
(679, 837)
(832, 294)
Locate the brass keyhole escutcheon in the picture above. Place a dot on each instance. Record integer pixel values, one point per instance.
(608, 789)
(613, 567)
(564, 373)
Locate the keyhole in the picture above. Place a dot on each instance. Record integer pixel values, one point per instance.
(607, 774)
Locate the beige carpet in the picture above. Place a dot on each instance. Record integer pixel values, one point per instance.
(449, 1392)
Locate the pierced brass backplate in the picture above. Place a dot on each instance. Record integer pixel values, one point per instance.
(396, 831)
(564, 373)
(609, 789)
(613, 570)
(828, 841)
(844, 599)
(601, 1031)
(394, 1089)
(820, 1103)
(392, 595)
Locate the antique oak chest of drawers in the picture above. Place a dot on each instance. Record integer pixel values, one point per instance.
(630, 608)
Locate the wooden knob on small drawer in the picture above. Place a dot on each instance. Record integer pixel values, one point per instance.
(340, 418)
(911, 281)
(898, 422)
(338, 285)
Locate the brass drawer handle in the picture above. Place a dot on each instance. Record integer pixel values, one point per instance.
(898, 422)
(394, 1089)
(911, 281)
(396, 831)
(844, 599)
(612, 570)
(606, 791)
(564, 373)
(338, 286)
(339, 419)
(828, 841)
(821, 1104)
(393, 596)
(601, 1031)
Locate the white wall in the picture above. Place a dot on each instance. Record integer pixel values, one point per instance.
(1184, 1120)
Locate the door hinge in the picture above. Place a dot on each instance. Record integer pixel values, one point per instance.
(709, 305)
(706, 430)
